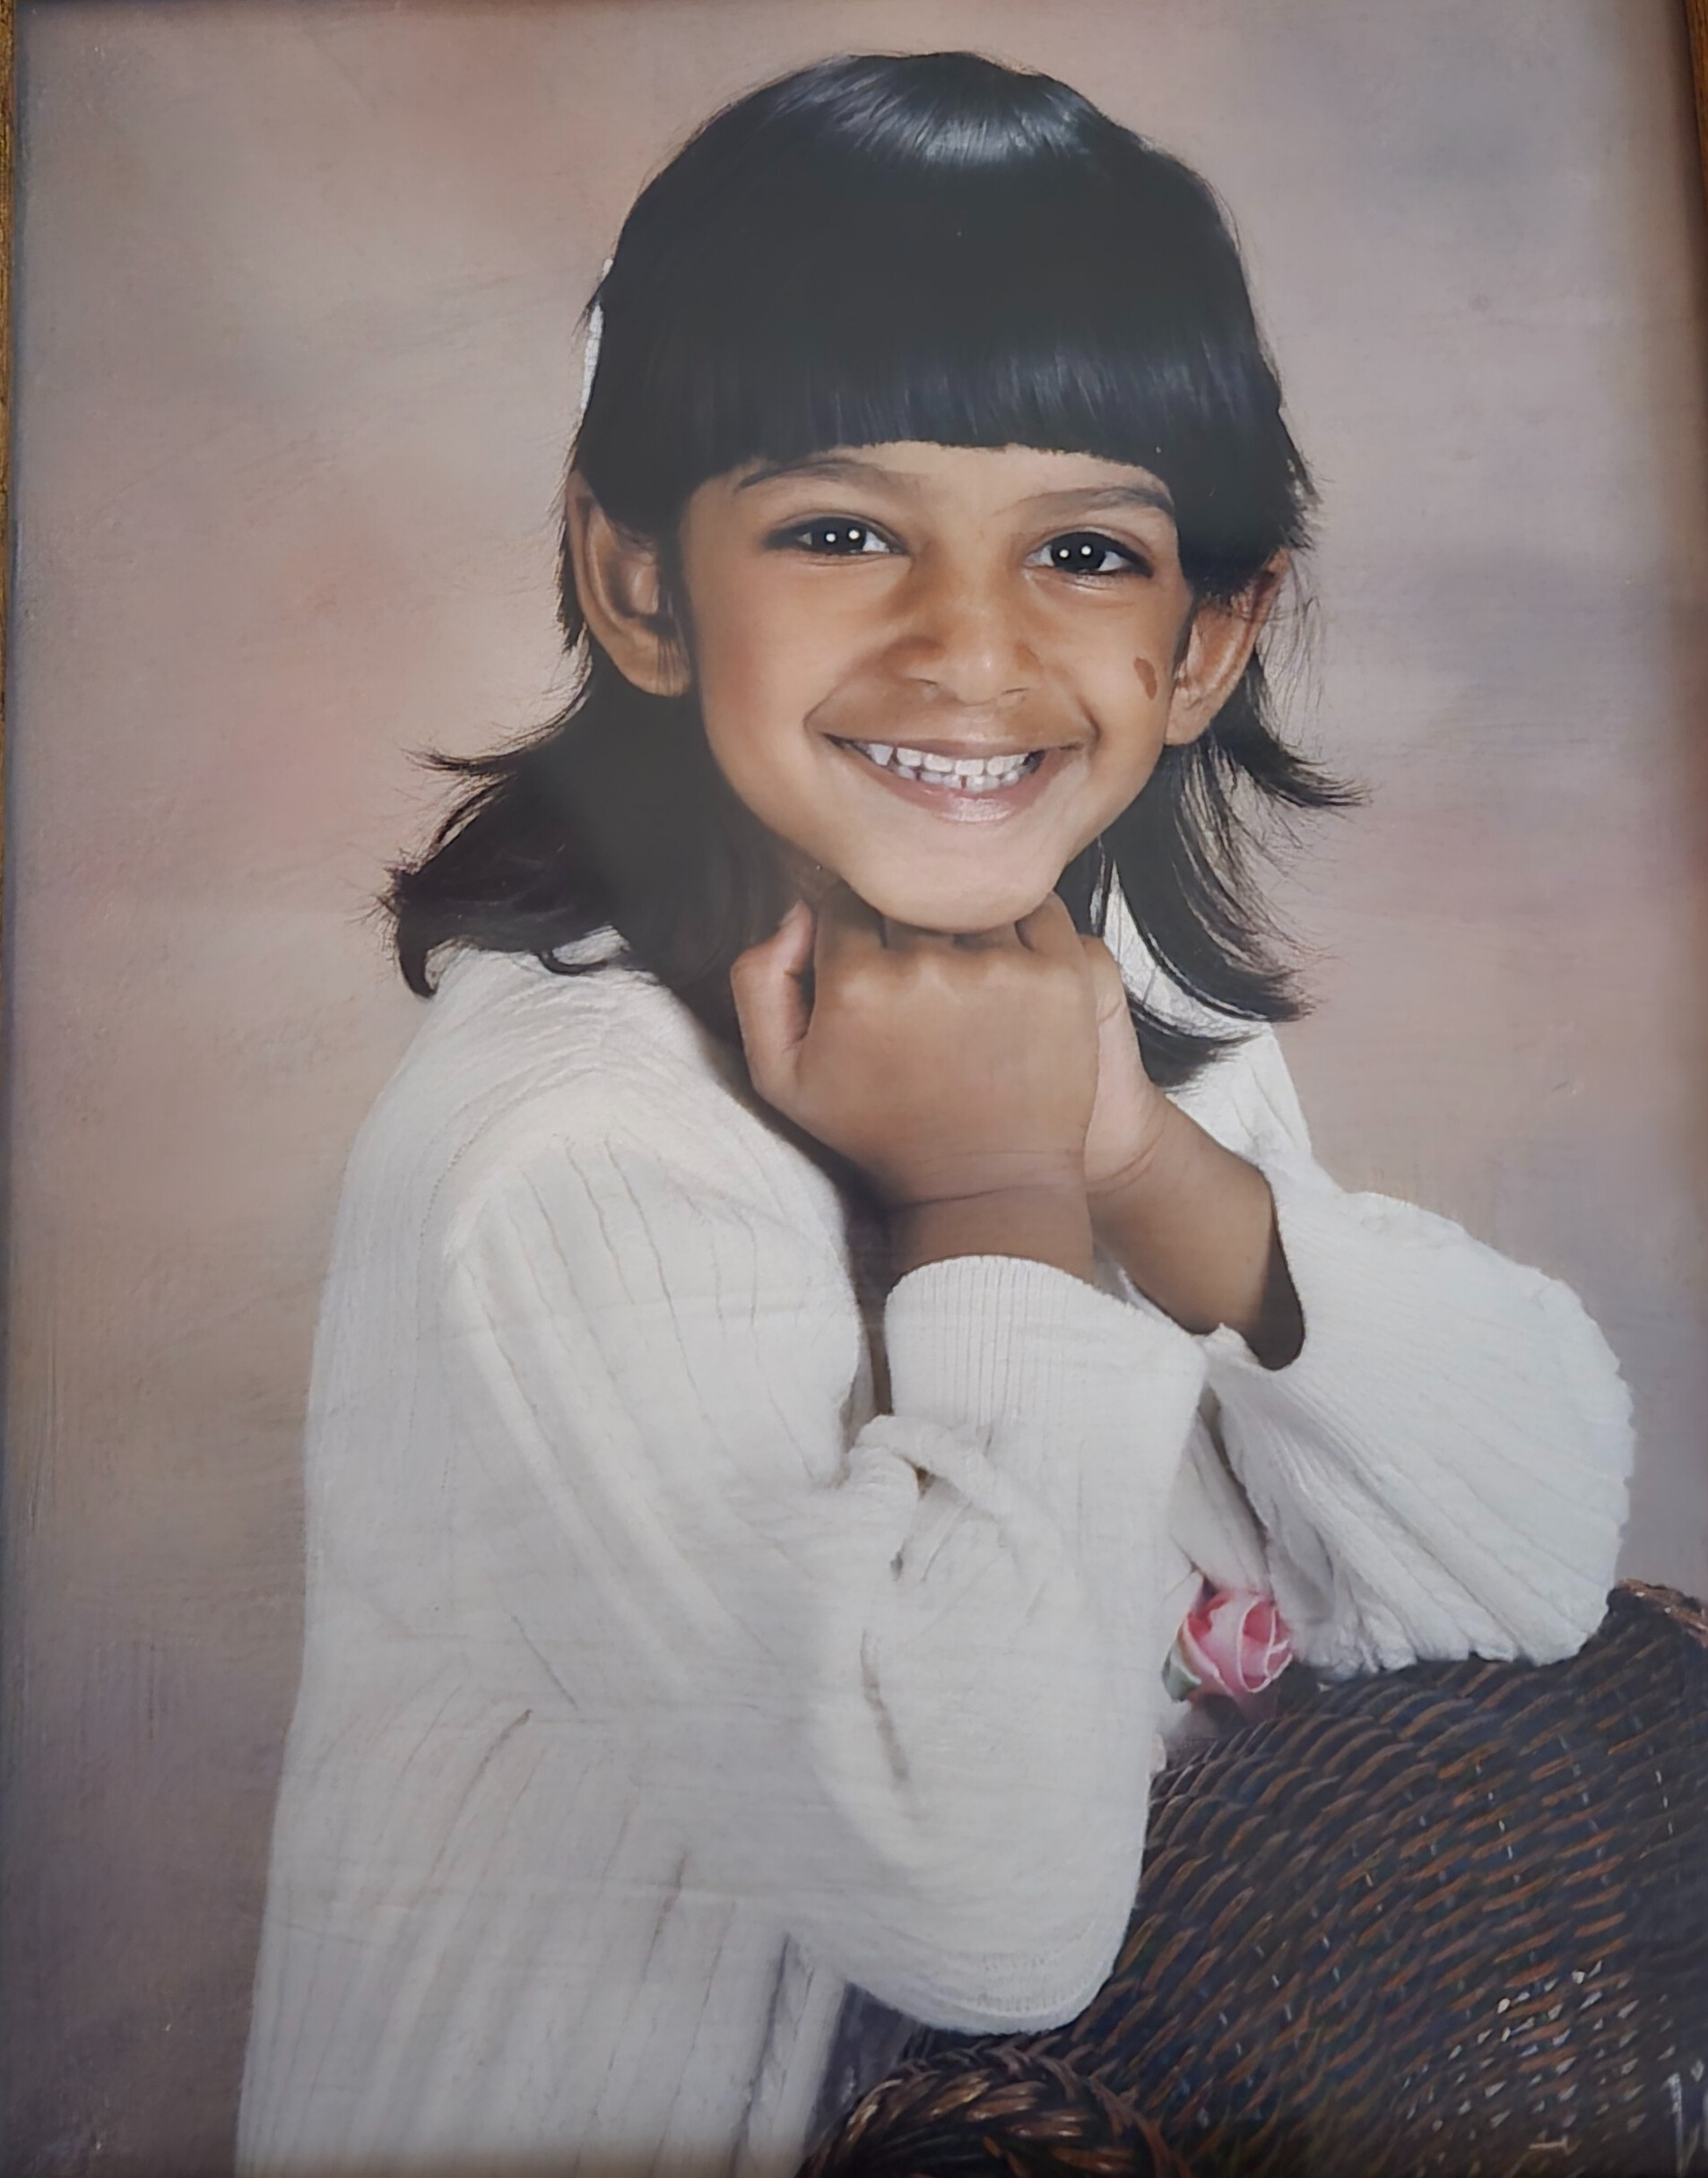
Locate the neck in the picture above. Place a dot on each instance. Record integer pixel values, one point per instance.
(807, 880)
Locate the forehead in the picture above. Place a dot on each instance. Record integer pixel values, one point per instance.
(992, 478)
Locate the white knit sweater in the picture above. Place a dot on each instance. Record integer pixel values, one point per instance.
(656, 1689)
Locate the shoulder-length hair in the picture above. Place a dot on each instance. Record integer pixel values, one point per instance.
(881, 247)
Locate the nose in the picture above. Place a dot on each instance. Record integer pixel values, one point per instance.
(962, 633)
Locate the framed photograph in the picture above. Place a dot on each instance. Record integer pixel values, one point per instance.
(302, 342)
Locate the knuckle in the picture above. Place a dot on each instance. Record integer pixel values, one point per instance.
(862, 982)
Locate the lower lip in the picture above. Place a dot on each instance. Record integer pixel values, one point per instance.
(990, 805)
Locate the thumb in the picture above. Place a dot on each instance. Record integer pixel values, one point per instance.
(770, 1003)
(1106, 980)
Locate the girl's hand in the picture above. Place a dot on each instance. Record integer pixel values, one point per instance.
(1131, 1113)
(1192, 1224)
(944, 1068)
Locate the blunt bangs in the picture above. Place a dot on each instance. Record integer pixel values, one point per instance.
(845, 269)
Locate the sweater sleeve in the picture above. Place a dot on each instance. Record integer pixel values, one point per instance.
(1443, 1470)
(899, 1682)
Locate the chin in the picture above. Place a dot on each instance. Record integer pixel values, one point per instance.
(960, 912)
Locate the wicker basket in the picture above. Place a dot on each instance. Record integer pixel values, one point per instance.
(1453, 1920)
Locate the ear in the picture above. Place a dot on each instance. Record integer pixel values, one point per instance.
(620, 586)
(1219, 638)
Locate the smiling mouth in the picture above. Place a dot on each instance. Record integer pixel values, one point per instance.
(964, 775)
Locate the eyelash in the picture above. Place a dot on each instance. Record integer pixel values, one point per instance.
(833, 523)
(1135, 562)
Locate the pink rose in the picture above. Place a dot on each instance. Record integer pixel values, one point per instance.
(1233, 1642)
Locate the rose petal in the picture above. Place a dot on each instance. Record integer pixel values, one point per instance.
(1234, 1643)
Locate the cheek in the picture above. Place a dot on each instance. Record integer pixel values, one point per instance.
(755, 648)
(1118, 661)
(741, 668)
(1125, 683)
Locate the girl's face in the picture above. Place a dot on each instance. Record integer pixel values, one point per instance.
(871, 628)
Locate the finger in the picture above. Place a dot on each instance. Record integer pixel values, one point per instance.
(1050, 929)
(1000, 937)
(911, 937)
(1003, 939)
(766, 983)
(1106, 979)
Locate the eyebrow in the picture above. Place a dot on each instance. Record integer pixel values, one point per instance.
(836, 468)
(849, 468)
(1155, 496)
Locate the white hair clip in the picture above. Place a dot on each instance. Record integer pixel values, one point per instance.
(590, 353)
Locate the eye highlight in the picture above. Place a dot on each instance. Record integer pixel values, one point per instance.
(1087, 551)
(834, 537)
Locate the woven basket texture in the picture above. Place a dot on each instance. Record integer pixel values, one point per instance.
(1452, 1920)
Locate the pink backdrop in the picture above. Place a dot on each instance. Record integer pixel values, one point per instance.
(296, 376)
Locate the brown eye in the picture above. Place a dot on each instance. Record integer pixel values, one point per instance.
(1085, 553)
(838, 538)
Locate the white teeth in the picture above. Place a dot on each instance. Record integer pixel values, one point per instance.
(969, 774)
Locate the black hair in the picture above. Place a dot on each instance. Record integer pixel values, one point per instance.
(878, 247)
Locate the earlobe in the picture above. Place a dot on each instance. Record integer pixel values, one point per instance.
(620, 586)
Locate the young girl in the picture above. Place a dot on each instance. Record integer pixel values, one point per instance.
(871, 937)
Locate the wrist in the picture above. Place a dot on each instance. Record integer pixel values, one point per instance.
(1119, 1199)
(1194, 1228)
(1044, 1218)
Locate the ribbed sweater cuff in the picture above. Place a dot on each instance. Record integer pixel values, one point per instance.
(1038, 1359)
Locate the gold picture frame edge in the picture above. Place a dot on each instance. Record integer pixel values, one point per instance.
(1696, 24)
(1693, 14)
(8, 169)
